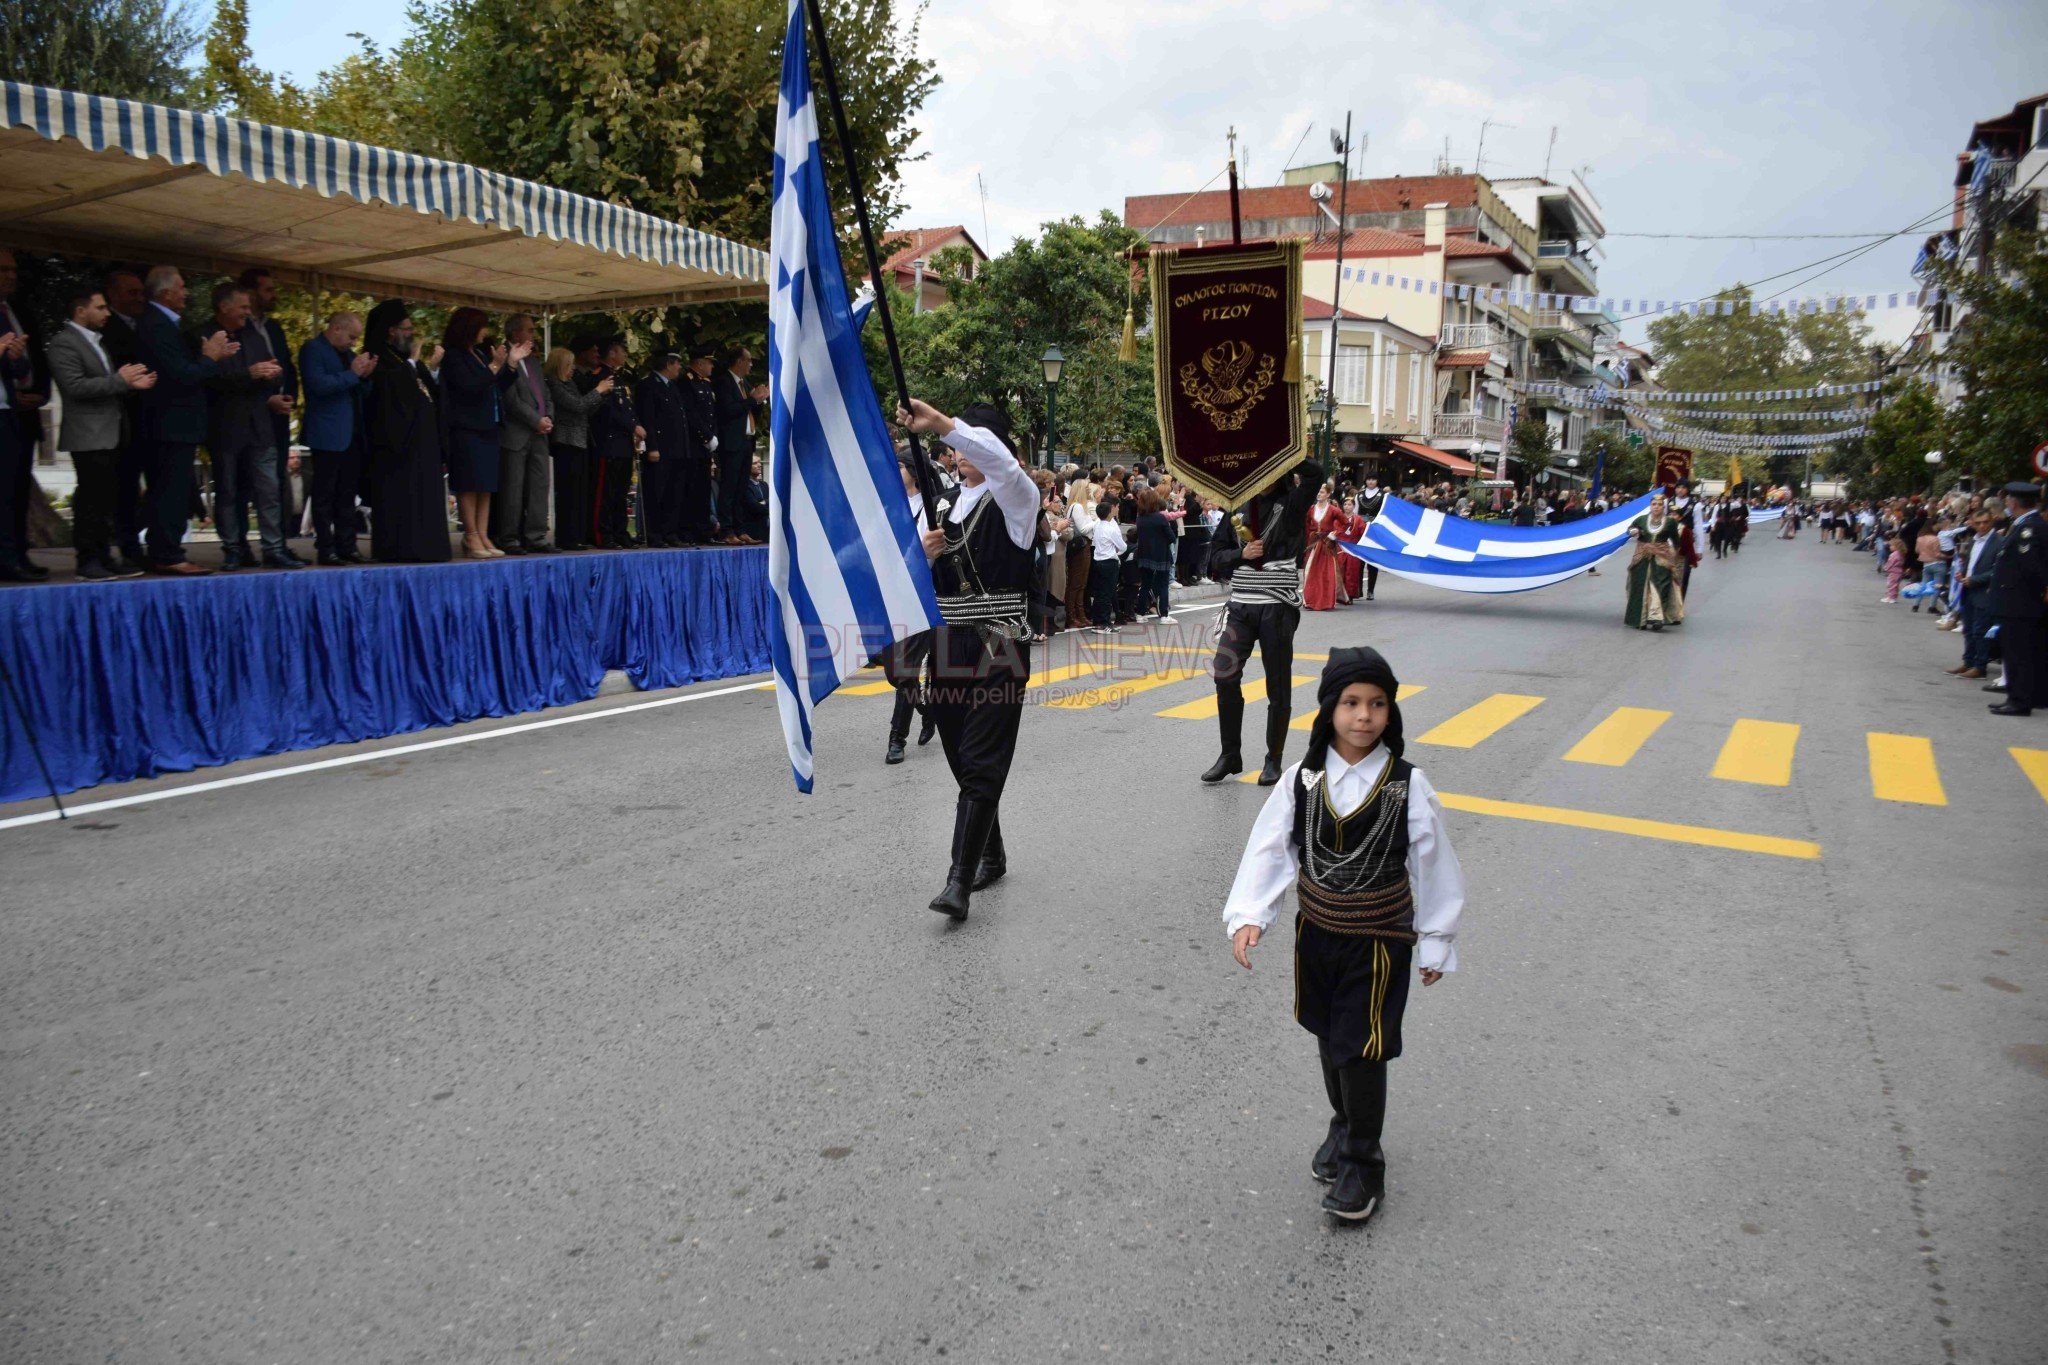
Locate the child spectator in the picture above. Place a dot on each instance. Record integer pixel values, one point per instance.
(1103, 572)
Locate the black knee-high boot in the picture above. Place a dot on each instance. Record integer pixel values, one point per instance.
(1230, 721)
(1276, 737)
(994, 861)
(971, 822)
(1361, 1166)
(1324, 1167)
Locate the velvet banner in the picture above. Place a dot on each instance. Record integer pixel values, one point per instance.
(1227, 365)
(128, 680)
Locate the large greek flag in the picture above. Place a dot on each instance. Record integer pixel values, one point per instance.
(844, 558)
(1469, 556)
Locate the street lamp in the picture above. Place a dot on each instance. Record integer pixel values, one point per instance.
(1052, 362)
(1320, 410)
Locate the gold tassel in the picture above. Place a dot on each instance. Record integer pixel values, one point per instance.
(1127, 349)
(1291, 374)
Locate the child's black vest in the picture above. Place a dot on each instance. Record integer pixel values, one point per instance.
(1354, 868)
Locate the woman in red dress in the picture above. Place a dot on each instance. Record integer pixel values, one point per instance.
(1319, 583)
(1353, 566)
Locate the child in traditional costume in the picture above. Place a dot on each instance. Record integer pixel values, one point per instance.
(1357, 832)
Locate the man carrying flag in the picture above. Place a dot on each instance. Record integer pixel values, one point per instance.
(981, 656)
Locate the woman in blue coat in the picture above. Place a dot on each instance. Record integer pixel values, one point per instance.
(472, 372)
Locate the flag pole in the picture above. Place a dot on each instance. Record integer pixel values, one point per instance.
(927, 485)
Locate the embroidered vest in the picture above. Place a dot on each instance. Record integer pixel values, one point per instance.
(983, 578)
(1354, 868)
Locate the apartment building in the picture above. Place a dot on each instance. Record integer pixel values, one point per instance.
(2001, 178)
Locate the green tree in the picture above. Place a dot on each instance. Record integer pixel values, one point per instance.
(2000, 351)
(1894, 451)
(1068, 287)
(230, 81)
(1627, 467)
(132, 49)
(1746, 350)
(1532, 443)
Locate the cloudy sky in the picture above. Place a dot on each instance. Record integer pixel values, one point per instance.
(1703, 117)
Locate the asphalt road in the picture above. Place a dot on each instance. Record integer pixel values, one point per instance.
(595, 1042)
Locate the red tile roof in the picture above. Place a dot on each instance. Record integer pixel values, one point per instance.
(1147, 211)
(1441, 458)
(906, 246)
(1318, 310)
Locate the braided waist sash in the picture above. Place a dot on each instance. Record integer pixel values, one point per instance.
(1276, 583)
(997, 613)
(1379, 912)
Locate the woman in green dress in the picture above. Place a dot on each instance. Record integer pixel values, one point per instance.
(1654, 597)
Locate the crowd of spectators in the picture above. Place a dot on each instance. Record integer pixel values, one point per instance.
(1939, 554)
(541, 452)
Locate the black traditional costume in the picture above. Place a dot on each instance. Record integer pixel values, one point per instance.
(1379, 891)
(1264, 609)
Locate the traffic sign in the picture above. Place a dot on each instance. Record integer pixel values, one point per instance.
(2041, 459)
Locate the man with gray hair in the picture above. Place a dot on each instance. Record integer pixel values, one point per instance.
(332, 427)
(173, 414)
(242, 438)
(519, 513)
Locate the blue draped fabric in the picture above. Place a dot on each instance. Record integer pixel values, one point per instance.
(128, 680)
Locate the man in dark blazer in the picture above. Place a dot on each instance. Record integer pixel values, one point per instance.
(240, 435)
(173, 414)
(96, 430)
(262, 309)
(700, 403)
(2019, 599)
(659, 401)
(332, 426)
(742, 415)
(125, 302)
(615, 434)
(21, 400)
(1976, 556)
(519, 512)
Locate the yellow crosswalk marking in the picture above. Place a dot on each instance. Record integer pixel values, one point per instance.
(1118, 692)
(1758, 751)
(1204, 708)
(1482, 722)
(1040, 679)
(1902, 769)
(1626, 824)
(873, 689)
(2034, 763)
(1614, 741)
(1307, 721)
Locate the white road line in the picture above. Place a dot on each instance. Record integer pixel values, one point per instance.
(217, 784)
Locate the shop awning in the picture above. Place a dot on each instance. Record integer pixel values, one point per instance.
(1443, 459)
(90, 175)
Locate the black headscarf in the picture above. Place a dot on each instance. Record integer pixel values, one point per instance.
(377, 329)
(1348, 666)
(991, 418)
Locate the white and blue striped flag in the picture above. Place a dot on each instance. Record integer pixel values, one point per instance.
(844, 557)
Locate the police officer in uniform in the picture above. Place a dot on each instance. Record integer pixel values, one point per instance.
(1264, 609)
(982, 558)
(2019, 599)
(700, 405)
(658, 402)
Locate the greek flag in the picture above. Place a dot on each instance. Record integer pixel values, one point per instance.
(844, 559)
(1468, 556)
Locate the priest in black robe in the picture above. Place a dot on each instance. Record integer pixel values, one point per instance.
(409, 500)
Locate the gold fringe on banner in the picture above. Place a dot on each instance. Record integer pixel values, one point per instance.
(1290, 373)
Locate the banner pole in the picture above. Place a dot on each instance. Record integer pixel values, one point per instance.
(927, 485)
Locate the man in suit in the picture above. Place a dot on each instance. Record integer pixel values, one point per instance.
(20, 427)
(240, 436)
(173, 415)
(700, 404)
(519, 513)
(1976, 555)
(658, 400)
(96, 430)
(262, 291)
(2019, 599)
(742, 413)
(615, 433)
(335, 378)
(125, 302)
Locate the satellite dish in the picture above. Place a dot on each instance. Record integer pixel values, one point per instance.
(1319, 192)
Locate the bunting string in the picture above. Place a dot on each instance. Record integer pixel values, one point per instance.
(1592, 306)
(1602, 396)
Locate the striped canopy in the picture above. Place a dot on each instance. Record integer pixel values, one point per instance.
(221, 194)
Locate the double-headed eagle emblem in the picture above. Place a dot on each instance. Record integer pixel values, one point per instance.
(1228, 382)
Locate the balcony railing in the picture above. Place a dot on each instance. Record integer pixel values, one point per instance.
(1473, 336)
(1465, 426)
